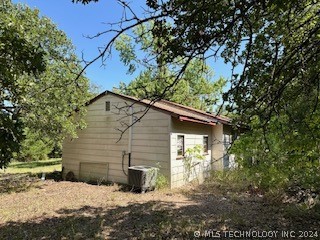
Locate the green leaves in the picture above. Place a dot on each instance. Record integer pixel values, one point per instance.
(276, 44)
(127, 54)
(39, 88)
(34, 147)
(10, 135)
(282, 155)
(191, 156)
(195, 87)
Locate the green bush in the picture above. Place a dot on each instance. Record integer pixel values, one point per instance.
(274, 160)
(237, 180)
(34, 148)
(161, 181)
(56, 151)
(191, 154)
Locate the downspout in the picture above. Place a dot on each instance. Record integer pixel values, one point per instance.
(130, 135)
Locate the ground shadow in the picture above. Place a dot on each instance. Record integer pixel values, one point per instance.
(55, 175)
(155, 219)
(122, 187)
(18, 183)
(21, 182)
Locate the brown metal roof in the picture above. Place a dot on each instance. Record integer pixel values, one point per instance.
(183, 113)
(219, 118)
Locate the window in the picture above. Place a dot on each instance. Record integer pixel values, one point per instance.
(180, 145)
(227, 140)
(107, 106)
(205, 144)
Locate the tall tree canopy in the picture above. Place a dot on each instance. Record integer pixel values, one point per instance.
(39, 90)
(195, 89)
(277, 45)
(275, 42)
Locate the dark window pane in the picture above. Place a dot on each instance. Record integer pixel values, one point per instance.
(205, 144)
(107, 106)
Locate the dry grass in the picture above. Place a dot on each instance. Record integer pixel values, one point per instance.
(65, 210)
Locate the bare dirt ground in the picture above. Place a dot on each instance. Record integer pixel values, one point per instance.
(67, 210)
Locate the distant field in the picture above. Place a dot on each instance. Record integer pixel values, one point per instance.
(51, 165)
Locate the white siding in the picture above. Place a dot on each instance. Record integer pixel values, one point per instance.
(98, 142)
(193, 135)
(217, 144)
(221, 135)
(228, 159)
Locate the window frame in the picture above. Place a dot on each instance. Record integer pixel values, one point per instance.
(205, 145)
(180, 156)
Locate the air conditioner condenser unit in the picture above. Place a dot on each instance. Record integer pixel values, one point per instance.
(142, 177)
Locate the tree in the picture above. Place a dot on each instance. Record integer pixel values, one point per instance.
(34, 147)
(277, 45)
(275, 42)
(195, 89)
(283, 156)
(38, 85)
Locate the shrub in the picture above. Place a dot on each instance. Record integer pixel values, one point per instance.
(274, 160)
(161, 181)
(34, 148)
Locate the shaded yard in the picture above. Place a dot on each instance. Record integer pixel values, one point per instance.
(65, 210)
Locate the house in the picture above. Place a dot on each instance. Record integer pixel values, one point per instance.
(160, 138)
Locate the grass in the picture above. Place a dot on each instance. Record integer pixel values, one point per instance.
(22, 176)
(75, 210)
(34, 209)
(51, 165)
(230, 181)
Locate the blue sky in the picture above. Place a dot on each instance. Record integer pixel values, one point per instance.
(78, 21)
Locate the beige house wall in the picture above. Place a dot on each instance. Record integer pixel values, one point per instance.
(217, 145)
(229, 159)
(97, 153)
(193, 135)
(98, 143)
(221, 134)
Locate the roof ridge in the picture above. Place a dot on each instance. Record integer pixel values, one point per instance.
(169, 107)
(181, 106)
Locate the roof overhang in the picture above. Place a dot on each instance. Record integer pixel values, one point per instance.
(187, 119)
(205, 118)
